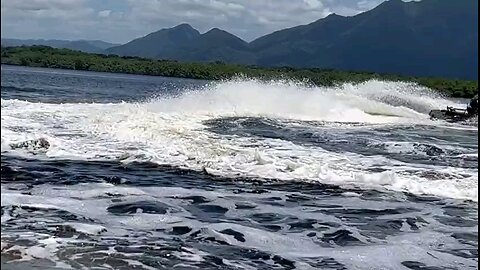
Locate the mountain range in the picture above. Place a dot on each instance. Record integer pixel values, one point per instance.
(418, 38)
(91, 46)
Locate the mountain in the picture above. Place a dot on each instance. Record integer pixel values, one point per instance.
(160, 44)
(101, 44)
(184, 43)
(92, 46)
(427, 38)
(214, 45)
(418, 38)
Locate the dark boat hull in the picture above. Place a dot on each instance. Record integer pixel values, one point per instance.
(451, 115)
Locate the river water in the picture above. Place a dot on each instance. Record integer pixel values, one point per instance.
(112, 171)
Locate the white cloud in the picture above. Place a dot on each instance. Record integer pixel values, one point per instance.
(44, 9)
(313, 3)
(41, 4)
(104, 13)
(366, 4)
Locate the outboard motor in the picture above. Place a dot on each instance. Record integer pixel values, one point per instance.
(472, 107)
(454, 114)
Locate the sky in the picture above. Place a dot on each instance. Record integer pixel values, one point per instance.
(120, 21)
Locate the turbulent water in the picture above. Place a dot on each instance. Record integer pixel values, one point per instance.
(112, 171)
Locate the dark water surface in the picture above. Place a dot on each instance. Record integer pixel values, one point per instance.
(111, 171)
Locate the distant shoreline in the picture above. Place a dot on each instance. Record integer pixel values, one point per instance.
(88, 72)
(47, 57)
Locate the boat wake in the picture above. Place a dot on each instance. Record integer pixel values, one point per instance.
(276, 130)
(239, 174)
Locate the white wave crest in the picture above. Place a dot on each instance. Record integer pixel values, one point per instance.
(171, 131)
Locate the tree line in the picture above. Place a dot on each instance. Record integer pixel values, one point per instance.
(43, 56)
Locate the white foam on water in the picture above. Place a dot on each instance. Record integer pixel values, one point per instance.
(285, 99)
(91, 229)
(89, 201)
(171, 131)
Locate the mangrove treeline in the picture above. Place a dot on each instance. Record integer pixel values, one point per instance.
(42, 56)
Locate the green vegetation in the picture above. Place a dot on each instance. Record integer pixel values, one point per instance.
(42, 56)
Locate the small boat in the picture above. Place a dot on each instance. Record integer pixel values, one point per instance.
(450, 114)
(455, 114)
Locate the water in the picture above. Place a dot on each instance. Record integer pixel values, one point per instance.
(111, 171)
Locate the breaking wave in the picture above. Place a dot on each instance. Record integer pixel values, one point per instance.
(172, 131)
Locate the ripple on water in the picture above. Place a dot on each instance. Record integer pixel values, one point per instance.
(232, 175)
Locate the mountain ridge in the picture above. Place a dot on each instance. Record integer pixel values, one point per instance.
(91, 46)
(417, 38)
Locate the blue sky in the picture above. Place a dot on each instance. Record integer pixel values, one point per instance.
(123, 20)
